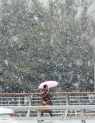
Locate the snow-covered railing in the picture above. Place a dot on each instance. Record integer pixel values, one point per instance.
(58, 98)
(88, 107)
(72, 99)
(82, 108)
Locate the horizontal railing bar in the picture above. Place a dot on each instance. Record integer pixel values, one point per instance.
(52, 118)
(37, 93)
(92, 107)
(39, 118)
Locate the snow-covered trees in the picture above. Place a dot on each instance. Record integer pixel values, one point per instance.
(38, 44)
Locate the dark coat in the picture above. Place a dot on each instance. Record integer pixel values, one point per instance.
(45, 100)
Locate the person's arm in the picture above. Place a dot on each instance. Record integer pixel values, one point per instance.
(45, 95)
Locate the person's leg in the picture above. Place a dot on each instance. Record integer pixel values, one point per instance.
(50, 113)
(42, 114)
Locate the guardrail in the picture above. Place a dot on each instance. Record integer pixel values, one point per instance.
(58, 98)
(82, 108)
(72, 99)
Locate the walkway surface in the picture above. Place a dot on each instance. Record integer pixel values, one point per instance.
(57, 121)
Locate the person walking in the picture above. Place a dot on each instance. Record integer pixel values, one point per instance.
(45, 100)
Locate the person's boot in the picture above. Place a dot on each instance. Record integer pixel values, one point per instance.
(50, 114)
(42, 114)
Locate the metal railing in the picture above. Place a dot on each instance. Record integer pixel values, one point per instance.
(58, 98)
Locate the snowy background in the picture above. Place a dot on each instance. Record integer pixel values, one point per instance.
(39, 44)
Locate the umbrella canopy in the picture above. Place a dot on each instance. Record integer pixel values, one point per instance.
(50, 84)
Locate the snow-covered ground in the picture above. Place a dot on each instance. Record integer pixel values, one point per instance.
(57, 121)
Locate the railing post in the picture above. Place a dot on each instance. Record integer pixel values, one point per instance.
(67, 103)
(29, 99)
(38, 115)
(67, 100)
(29, 104)
(19, 101)
(83, 116)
